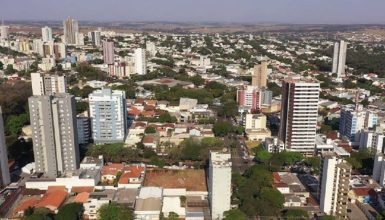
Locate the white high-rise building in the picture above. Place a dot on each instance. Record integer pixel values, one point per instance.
(4, 32)
(140, 61)
(219, 183)
(354, 120)
(96, 39)
(46, 34)
(44, 84)
(108, 114)
(339, 58)
(379, 169)
(299, 115)
(151, 48)
(334, 185)
(5, 178)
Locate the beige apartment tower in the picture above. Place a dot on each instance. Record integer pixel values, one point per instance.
(334, 185)
(259, 76)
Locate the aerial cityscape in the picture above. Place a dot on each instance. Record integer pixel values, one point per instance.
(182, 112)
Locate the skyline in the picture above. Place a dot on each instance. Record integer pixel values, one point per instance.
(223, 11)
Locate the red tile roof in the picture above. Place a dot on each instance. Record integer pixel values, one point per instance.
(362, 191)
(26, 204)
(82, 197)
(148, 139)
(130, 172)
(112, 169)
(276, 177)
(81, 189)
(52, 200)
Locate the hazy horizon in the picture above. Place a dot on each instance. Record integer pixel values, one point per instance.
(200, 11)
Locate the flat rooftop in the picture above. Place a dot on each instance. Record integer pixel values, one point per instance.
(192, 180)
(149, 204)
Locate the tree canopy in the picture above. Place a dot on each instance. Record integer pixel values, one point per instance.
(113, 211)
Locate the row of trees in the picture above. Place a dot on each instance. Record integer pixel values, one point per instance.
(74, 211)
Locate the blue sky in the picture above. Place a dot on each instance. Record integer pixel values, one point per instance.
(248, 11)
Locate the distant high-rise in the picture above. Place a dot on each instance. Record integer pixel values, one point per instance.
(46, 34)
(334, 186)
(108, 114)
(352, 121)
(379, 169)
(151, 48)
(96, 39)
(71, 31)
(108, 52)
(5, 178)
(45, 84)
(219, 183)
(339, 58)
(4, 32)
(259, 76)
(54, 133)
(299, 112)
(140, 61)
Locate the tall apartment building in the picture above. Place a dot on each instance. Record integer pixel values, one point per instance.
(379, 169)
(339, 58)
(151, 48)
(219, 182)
(46, 34)
(54, 133)
(59, 50)
(254, 98)
(4, 32)
(71, 30)
(5, 177)
(108, 114)
(372, 139)
(96, 39)
(84, 129)
(45, 84)
(259, 76)
(353, 120)
(334, 185)
(299, 112)
(249, 98)
(108, 52)
(140, 61)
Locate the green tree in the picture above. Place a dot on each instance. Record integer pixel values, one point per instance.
(1, 65)
(15, 123)
(70, 211)
(234, 214)
(113, 211)
(263, 156)
(39, 214)
(314, 163)
(150, 130)
(9, 70)
(295, 214)
(327, 217)
(222, 128)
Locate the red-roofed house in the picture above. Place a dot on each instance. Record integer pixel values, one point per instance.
(82, 197)
(132, 177)
(19, 210)
(150, 141)
(110, 171)
(52, 200)
(363, 195)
